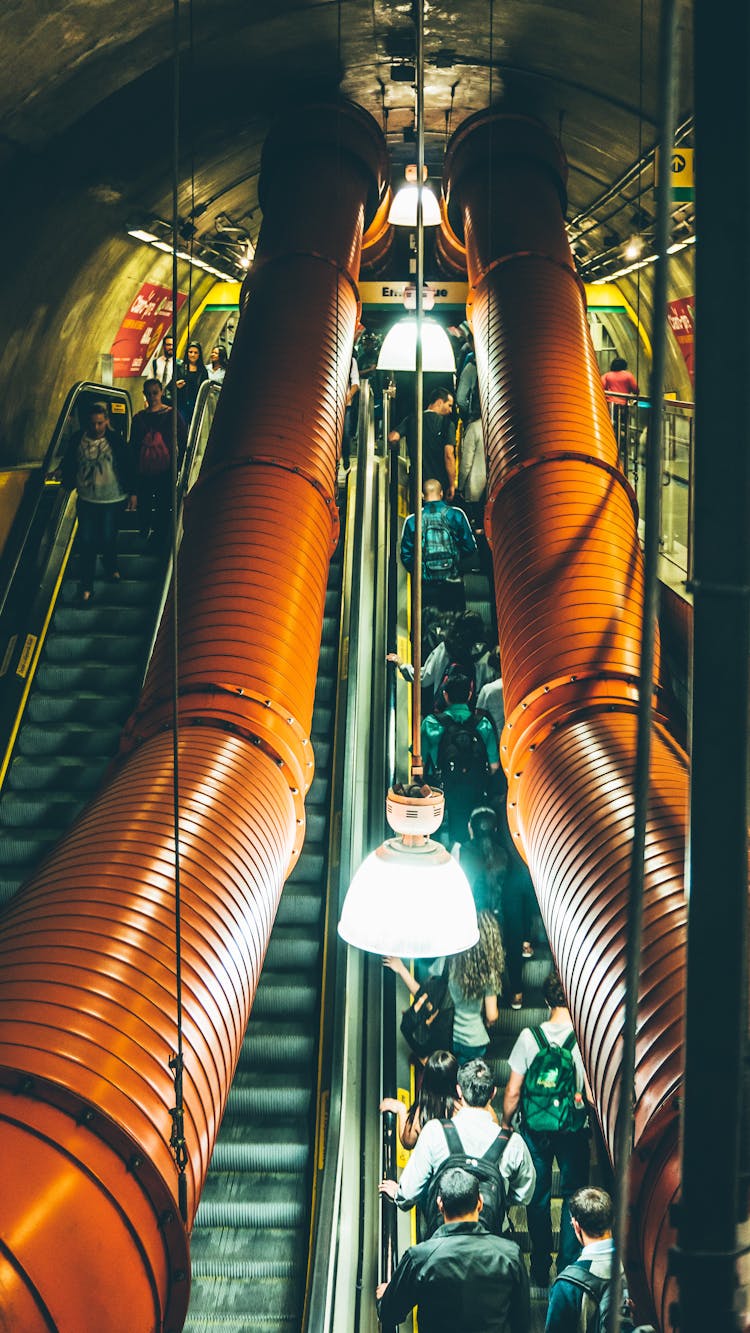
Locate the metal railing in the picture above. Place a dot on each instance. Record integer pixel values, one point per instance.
(630, 421)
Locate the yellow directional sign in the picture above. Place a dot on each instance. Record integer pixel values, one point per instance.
(682, 178)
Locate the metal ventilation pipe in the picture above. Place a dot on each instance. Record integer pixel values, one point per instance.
(90, 1233)
(561, 520)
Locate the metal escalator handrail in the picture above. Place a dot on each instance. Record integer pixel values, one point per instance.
(337, 1209)
(388, 1162)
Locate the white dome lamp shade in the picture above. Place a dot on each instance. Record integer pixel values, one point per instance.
(410, 898)
(403, 210)
(399, 349)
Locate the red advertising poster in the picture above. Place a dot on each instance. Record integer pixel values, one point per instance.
(681, 316)
(142, 329)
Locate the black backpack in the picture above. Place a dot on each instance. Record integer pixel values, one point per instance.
(596, 1288)
(439, 548)
(487, 1171)
(462, 762)
(427, 1024)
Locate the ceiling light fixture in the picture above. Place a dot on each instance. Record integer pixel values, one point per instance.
(148, 238)
(642, 263)
(409, 898)
(399, 349)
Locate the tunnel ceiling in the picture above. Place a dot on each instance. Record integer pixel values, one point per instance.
(85, 94)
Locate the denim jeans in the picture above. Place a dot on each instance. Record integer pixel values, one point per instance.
(572, 1153)
(97, 531)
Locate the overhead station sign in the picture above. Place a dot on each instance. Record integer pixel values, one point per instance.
(397, 293)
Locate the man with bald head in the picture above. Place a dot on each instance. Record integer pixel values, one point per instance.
(446, 536)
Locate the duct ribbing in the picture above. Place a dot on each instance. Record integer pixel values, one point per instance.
(90, 1237)
(569, 587)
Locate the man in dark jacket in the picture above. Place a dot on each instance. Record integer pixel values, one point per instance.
(462, 1278)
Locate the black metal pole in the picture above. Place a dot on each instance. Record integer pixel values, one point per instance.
(625, 1111)
(715, 1182)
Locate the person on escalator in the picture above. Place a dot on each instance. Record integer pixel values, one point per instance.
(463, 647)
(446, 537)
(189, 376)
(97, 464)
(463, 1279)
(151, 437)
(460, 755)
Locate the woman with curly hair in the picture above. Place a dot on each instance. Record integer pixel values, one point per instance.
(475, 978)
(435, 1100)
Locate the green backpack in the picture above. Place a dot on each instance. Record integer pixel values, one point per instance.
(548, 1097)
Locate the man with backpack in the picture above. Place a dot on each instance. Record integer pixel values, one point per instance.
(579, 1298)
(547, 1081)
(151, 446)
(498, 1158)
(460, 753)
(446, 536)
(463, 1278)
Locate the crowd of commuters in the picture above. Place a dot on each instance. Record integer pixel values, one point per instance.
(471, 1160)
(112, 475)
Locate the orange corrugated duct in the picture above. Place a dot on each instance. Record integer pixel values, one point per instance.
(378, 239)
(569, 586)
(90, 1236)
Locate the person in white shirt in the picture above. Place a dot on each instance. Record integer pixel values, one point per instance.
(161, 366)
(217, 365)
(477, 1128)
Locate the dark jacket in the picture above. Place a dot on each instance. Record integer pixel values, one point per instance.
(463, 1280)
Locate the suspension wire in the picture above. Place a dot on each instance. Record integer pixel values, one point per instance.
(626, 1109)
(638, 196)
(191, 135)
(417, 766)
(176, 1062)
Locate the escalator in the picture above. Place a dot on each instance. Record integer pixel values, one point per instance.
(250, 1240)
(74, 693)
(87, 680)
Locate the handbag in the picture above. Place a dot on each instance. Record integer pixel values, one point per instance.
(427, 1025)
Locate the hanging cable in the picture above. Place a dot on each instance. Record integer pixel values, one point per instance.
(625, 1114)
(417, 766)
(176, 1063)
(639, 196)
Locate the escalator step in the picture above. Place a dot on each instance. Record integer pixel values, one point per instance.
(52, 810)
(128, 592)
(96, 618)
(239, 1320)
(262, 1101)
(321, 726)
(317, 797)
(240, 1213)
(8, 889)
(94, 676)
(87, 648)
(264, 1050)
(249, 1270)
(308, 870)
(299, 909)
(267, 1246)
(317, 826)
(68, 773)
(290, 953)
(18, 850)
(75, 740)
(259, 1156)
(82, 708)
(283, 999)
